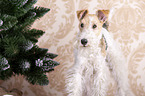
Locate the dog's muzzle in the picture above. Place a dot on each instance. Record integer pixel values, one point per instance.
(84, 42)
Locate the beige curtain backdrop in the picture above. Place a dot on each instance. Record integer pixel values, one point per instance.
(61, 25)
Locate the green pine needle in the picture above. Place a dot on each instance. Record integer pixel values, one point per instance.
(29, 4)
(18, 42)
(6, 74)
(39, 79)
(28, 19)
(11, 46)
(8, 21)
(33, 34)
(51, 55)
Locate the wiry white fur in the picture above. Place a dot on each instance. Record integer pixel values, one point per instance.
(117, 63)
(88, 75)
(89, 70)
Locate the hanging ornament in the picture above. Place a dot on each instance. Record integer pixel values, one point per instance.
(47, 59)
(46, 67)
(4, 64)
(6, 67)
(1, 22)
(39, 62)
(25, 65)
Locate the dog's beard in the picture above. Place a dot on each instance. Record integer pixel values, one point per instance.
(91, 47)
(93, 40)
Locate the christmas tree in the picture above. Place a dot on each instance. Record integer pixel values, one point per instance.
(19, 53)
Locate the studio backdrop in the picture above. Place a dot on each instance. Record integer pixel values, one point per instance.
(61, 26)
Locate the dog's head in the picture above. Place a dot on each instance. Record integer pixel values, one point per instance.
(90, 26)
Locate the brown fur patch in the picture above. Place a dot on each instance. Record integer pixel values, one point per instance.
(86, 21)
(81, 14)
(103, 15)
(106, 12)
(92, 19)
(103, 46)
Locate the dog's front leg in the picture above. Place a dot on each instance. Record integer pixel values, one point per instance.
(118, 64)
(74, 81)
(100, 78)
(74, 84)
(119, 71)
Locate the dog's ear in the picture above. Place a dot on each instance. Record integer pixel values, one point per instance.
(81, 14)
(103, 15)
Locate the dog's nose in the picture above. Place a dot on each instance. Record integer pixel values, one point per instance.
(84, 41)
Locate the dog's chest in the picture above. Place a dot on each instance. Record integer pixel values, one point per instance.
(93, 60)
(88, 77)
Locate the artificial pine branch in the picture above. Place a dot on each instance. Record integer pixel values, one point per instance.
(29, 4)
(19, 53)
(40, 79)
(28, 19)
(7, 21)
(33, 34)
(51, 55)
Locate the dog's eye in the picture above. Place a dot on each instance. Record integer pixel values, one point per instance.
(82, 25)
(94, 26)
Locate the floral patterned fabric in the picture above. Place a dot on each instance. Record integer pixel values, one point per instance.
(61, 26)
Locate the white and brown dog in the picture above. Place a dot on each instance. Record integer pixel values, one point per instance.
(96, 56)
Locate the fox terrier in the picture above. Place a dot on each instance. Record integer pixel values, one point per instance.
(96, 56)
